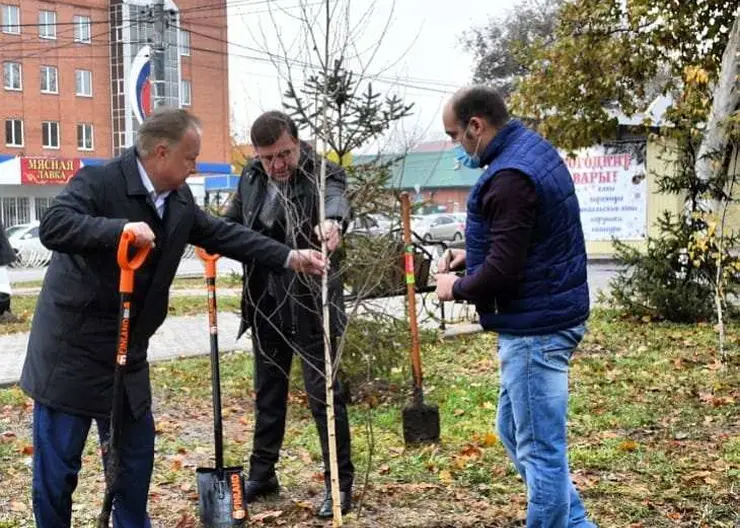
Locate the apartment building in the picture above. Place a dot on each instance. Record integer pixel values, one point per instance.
(75, 84)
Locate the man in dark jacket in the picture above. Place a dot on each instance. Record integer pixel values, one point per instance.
(525, 259)
(7, 257)
(70, 362)
(278, 196)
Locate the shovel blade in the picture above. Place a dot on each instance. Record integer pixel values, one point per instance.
(421, 424)
(221, 497)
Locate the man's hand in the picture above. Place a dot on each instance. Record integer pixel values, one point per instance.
(444, 285)
(307, 261)
(450, 260)
(143, 233)
(330, 232)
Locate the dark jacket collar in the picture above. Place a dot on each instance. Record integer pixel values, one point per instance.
(499, 141)
(134, 185)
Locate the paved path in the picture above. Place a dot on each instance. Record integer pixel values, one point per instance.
(184, 336)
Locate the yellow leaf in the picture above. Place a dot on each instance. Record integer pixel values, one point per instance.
(628, 445)
(445, 476)
(489, 440)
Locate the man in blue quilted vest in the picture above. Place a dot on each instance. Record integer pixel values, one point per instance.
(525, 263)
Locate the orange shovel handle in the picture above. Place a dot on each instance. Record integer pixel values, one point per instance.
(128, 267)
(209, 261)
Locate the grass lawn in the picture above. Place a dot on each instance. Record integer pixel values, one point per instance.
(23, 307)
(654, 425)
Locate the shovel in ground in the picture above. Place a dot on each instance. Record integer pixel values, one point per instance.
(420, 421)
(111, 446)
(220, 490)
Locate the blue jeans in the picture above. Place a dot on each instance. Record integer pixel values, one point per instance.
(532, 416)
(59, 439)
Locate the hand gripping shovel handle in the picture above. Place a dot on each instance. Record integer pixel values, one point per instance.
(209, 262)
(411, 291)
(126, 288)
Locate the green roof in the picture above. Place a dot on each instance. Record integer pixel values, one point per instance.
(433, 170)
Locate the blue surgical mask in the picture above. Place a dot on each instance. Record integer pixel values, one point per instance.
(471, 162)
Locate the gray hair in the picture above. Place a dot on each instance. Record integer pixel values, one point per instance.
(164, 124)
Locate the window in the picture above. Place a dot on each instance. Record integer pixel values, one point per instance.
(15, 210)
(13, 132)
(49, 79)
(50, 133)
(42, 204)
(84, 136)
(11, 19)
(185, 93)
(83, 83)
(48, 24)
(184, 42)
(12, 76)
(82, 29)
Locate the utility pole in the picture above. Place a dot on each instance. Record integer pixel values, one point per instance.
(156, 60)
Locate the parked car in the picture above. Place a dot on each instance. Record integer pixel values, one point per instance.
(376, 224)
(24, 239)
(438, 227)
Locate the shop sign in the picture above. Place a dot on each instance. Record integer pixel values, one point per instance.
(48, 171)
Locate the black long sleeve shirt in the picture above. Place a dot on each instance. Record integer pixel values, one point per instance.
(509, 205)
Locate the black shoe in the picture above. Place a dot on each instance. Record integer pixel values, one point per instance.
(254, 489)
(325, 511)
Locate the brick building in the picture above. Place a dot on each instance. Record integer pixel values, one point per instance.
(75, 84)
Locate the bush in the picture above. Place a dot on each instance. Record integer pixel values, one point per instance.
(675, 278)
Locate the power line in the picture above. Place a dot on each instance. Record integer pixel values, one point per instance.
(274, 57)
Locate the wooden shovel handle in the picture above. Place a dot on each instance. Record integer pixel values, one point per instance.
(411, 288)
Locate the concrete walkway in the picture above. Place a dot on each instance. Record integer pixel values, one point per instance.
(180, 336)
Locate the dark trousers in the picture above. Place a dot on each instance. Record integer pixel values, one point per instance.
(273, 355)
(59, 439)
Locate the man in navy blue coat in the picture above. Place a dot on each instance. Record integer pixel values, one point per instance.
(525, 262)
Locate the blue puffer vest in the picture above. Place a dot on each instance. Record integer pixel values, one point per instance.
(553, 293)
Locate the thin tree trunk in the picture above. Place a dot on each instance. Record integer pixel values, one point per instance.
(328, 363)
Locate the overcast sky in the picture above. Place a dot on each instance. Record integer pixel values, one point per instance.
(419, 58)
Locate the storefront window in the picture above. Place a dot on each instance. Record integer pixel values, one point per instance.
(42, 204)
(15, 210)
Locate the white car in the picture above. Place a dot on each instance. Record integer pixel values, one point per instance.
(24, 239)
(439, 227)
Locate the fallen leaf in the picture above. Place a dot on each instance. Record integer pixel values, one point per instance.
(489, 440)
(27, 450)
(445, 477)
(628, 445)
(187, 486)
(18, 507)
(182, 450)
(303, 505)
(488, 405)
(459, 412)
(7, 437)
(186, 521)
(318, 477)
(267, 516)
(471, 451)
(176, 464)
(384, 469)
